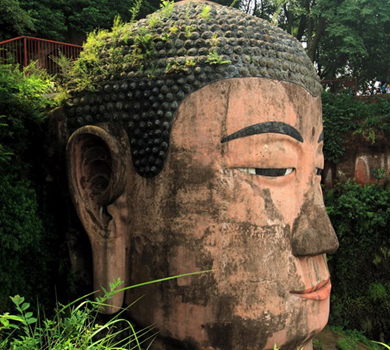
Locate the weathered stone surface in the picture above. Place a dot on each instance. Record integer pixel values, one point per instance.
(209, 167)
(362, 158)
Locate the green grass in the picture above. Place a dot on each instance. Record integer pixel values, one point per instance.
(75, 325)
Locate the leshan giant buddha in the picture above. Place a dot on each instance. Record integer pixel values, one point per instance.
(198, 146)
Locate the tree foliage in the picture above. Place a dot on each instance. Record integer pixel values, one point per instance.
(29, 243)
(344, 116)
(356, 42)
(340, 116)
(345, 38)
(69, 20)
(22, 105)
(361, 267)
(64, 20)
(14, 20)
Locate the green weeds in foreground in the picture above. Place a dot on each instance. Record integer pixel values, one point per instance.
(75, 326)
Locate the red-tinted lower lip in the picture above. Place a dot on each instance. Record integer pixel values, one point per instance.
(319, 292)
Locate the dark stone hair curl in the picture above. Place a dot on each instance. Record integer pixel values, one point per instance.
(172, 53)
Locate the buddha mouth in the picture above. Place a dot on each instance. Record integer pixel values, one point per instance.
(319, 292)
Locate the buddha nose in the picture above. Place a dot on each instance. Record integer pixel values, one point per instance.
(313, 233)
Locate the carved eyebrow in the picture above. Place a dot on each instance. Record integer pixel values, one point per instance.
(321, 138)
(265, 128)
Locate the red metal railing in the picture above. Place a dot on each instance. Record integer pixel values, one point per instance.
(338, 85)
(24, 49)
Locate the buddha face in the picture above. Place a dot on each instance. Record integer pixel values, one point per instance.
(239, 195)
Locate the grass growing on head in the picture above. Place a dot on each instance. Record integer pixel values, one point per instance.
(135, 9)
(143, 43)
(153, 20)
(205, 14)
(173, 29)
(190, 62)
(167, 7)
(215, 40)
(89, 65)
(214, 58)
(188, 30)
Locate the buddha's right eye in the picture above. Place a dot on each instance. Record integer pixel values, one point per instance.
(271, 172)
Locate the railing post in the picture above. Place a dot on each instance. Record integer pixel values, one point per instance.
(25, 51)
(33, 46)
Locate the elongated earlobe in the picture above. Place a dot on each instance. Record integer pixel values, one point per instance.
(98, 159)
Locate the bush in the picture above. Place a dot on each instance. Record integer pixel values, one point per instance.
(24, 259)
(361, 267)
(344, 115)
(22, 107)
(340, 114)
(30, 246)
(74, 326)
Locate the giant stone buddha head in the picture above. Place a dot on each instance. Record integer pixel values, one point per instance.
(198, 146)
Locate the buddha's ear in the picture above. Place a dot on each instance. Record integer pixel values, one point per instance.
(98, 163)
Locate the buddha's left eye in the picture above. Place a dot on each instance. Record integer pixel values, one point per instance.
(318, 171)
(272, 172)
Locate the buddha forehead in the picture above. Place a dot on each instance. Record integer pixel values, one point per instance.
(142, 72)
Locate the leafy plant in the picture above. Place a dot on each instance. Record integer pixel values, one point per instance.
(205, 14)
(214, 58)
(317, 345)
(143, 40)
(351, 338)
(344, 115)
(31, 247)
(5, 155)
(340, 114)
(135, 9)
(346, 344)
(153, 20)
(190, 62)
(173, 29)
(214, 40)
(383, 344)
(361, 267)
(378, 174)
(188, 31)
(167, 7)
(22, 104)
(75, 325)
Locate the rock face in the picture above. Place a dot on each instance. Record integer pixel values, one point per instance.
(365, 161)
(203, 152)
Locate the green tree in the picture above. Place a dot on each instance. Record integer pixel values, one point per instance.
(356, 42)
(48, 16)
(14, 20)
(30, 246)
(304, 19)
(72, 20)
(361, 267)
(345, 38)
